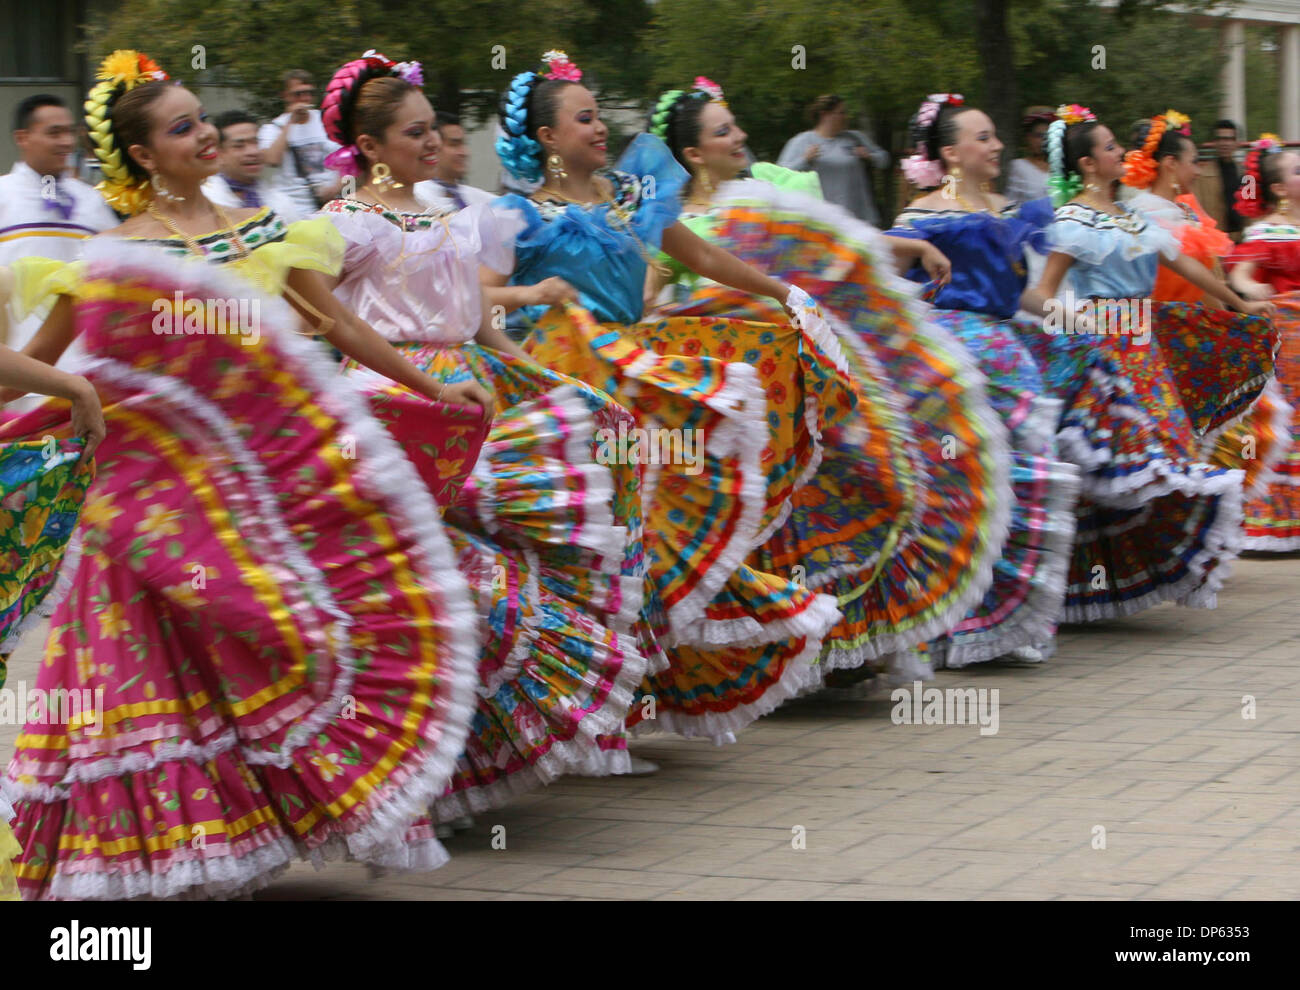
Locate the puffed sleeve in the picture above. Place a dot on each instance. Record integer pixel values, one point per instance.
(38, 282)
(1037, 216)
(662, 181)
(495, 227)
(1071, 234)
(905, 226)
(314, 244)
(808, 183)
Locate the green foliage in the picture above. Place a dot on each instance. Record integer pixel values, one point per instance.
(250, 43)
(883, 56)
(1154, 60)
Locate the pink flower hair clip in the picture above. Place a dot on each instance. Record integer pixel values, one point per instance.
(706, 85)
(558, 66)
(1073, 113)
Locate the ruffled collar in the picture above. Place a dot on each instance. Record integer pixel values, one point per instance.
(1014, 227)
(263, 227)
(1126, 220)
(1272, 230)
(422, 220)
(625, 197)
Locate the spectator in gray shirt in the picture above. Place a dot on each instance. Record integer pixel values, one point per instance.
(839, 156)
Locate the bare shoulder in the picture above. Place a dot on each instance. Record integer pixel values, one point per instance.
(140, 225)
(934, 200)
(243, 213)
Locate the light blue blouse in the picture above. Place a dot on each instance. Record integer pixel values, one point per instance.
(601, 250)
(1115, 257)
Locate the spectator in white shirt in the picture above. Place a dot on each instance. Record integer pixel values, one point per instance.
(447, 188)
(239, 182)
(44, 211)
(296, 144)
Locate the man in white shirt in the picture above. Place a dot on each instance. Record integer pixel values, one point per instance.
(447, 189)
(44, 211)
(295, 143)
(239, 182)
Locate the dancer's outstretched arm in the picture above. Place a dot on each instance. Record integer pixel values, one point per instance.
(1243, 280)
(1203, 278)
(23, 374)
(909, 249)
(1034, 300)
(711, 261)
(55, 334)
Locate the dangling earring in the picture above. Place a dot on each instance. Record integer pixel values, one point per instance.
(555, 165)
(955, 172)
(706, 184)
(381, 175)
(160, 190)
(1284, 205)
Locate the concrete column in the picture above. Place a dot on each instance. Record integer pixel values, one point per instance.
(1233, 80)
(1289, 83)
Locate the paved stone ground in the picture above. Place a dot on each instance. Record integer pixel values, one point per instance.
(1135, 727)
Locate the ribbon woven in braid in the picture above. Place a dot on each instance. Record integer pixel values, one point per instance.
(1249, 197)
(1064, 187)
(1140, 165)
(661, 118)
(341, 97)
(517, 151)
(662, 114)
(921, 170)
(119, 73)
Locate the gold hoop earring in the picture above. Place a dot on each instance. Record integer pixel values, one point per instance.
(381, 175)
(555, 165)
(161, 190)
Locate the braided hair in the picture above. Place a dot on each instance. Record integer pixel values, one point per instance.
(340, 114)
(116, 118)
(933, 126)
(1069, 138)
(1255, 197)
(1155, 138)
(675, 120)
(531, 102)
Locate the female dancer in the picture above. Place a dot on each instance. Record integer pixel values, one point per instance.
(557, 572)
(1027, 177)
(1156, 522)
(896, 507)
(1266, 264)
(740, 640)
(985, 237)
(267, 612)
(1161, 166)
(43, 486)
